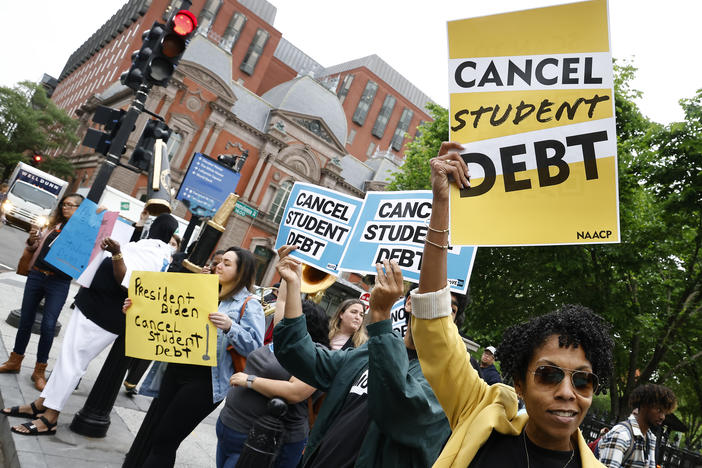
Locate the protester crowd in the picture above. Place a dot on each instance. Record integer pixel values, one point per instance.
(357, 393)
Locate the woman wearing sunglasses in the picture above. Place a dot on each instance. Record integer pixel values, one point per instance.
(44, 281)
(557, 361)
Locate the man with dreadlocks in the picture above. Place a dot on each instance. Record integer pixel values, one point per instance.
(631, 443)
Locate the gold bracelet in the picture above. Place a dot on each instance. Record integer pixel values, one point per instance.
(117, 256)
(440, 231)
(438, 246)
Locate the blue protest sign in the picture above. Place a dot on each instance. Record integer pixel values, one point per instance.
(398, 314)
(206, 185)
(71, 250)
(319, 221)
(393, 225)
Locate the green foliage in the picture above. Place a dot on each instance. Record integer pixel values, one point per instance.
(648, 287)
(30, 121)
(600, 404)
(414, 173)
(59, 166)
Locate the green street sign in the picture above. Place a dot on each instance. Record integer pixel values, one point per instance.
(245, 210)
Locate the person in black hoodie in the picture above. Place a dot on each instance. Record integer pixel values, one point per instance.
(488, 371)
(96, 321)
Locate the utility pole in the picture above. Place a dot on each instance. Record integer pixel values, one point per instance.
(153, 65)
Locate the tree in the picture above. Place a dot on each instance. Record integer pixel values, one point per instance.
(414, 173)
(59, 166)
(30, 121)
(647, 287)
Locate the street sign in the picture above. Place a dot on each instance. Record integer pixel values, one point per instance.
(243, 209)
(206, 185)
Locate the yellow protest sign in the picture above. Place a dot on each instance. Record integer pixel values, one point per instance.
(168, 317)
(532, 101)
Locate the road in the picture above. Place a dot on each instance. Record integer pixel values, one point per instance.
(11, 246)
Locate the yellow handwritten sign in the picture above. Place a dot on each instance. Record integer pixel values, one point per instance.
(532, 101)
(168, 317)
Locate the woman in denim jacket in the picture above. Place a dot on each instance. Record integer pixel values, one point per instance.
(189, 393)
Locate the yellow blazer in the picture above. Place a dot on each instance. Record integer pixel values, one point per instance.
(472, 407)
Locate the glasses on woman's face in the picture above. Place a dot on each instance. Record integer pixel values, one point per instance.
(584, 382)
(69, 205)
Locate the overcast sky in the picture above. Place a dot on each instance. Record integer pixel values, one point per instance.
(660, 38)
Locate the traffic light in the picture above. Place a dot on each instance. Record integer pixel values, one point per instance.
(144, 151)
(170, 47)
(111, 120)
(135, 76)
(36, 159)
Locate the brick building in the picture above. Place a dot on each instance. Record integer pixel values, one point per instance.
(241, 86)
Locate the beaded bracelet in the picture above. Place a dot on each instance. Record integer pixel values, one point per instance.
(438, 246)
(439, 231)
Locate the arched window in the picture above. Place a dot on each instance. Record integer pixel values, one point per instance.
(233, 31)
(275, 213)
(173, 144)
(207, 16)
(255, 51)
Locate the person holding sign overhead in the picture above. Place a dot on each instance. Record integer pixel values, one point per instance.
(97, 321)
(189, 393)
(43, 281)
(379, 409)
(262, 379)
(556, 361)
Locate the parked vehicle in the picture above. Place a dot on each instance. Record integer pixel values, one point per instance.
(32, 195)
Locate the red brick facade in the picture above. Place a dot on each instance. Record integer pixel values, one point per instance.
(214, 112)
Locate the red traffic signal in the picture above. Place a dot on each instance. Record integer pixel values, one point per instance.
(184, 23)
(37, 158)
(170, 47)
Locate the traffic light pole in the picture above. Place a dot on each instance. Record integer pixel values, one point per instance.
(118, 143)
(153, 65)
(93, 419)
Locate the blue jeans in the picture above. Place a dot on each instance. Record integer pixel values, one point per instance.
(230, 442)
(55, 291)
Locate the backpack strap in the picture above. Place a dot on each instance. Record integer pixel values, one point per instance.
(630, 449)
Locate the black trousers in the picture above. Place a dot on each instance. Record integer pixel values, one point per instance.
(136, 370)
(184, 400)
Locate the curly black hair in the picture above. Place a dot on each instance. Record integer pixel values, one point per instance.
(575, 325)
(652, 395)
(317, 322)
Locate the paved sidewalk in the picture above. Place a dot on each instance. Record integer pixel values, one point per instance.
(66, 448)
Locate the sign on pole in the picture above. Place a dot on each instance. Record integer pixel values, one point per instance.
(242, 209)
(532, 101)
(168, 320)
(206, 185)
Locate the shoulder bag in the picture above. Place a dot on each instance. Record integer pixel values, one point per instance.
(238, 360)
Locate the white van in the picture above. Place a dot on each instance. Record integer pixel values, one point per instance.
(33, 194)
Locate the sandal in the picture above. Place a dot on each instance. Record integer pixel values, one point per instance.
(15, 411)
(34, 430)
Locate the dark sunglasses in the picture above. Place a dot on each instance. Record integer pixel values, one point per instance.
(584, 382)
